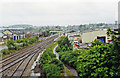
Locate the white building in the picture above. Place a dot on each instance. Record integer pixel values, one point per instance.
(91, 36)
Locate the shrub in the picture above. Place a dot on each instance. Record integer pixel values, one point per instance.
(51, 65)
(10, 44)
(5, 51)
(101, 60)
(51, 70)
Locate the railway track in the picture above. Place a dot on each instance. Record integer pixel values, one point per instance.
(10, 60)
(16, 65)
(24, 50)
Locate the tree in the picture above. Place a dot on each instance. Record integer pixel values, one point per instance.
(11, 44)
(99, 61)
(51, 65)
(21, 41)
(58, 63)
(113, 34)
(97, 42)
(51, 70)
(26, 41)
(108, 31)
(64, 44)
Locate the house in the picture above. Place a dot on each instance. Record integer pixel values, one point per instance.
(12, 34)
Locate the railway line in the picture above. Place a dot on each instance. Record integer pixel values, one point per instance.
(26, 49)
(19, 64)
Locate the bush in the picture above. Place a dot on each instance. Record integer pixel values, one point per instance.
(69, 57)
(64, 44)
(58, 49)
(99, 61)
(51, 65)
(11, 44)
(97, 42)
(58, 63)
(5, 51)
(19, 44)
(51, 70)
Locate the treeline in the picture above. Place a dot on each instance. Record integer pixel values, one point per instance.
(101, 60)
(46, 33)
(50, 65)
(66, 53)
(115, 36)
(19, 44)
(64, 44)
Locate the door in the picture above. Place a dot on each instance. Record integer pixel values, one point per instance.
(102, 38)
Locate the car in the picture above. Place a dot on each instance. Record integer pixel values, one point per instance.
(85, 47)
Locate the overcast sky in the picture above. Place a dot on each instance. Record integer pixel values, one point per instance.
(57, 12)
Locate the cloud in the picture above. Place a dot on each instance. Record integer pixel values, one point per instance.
(63, 12)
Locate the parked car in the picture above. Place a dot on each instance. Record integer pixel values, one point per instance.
(85, 47)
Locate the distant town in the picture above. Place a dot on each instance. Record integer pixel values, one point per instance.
(49, 51)
(16, 32)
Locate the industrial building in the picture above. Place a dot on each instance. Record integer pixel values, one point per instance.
(90, 36)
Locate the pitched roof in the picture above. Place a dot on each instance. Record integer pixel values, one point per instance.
(12, 31)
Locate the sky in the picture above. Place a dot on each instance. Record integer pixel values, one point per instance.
(57, 12)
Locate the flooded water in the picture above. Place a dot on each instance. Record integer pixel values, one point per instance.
(72, 70)
(3, 47)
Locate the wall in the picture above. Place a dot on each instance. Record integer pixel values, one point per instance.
(91, 36)
(19, 36)
(77, 38)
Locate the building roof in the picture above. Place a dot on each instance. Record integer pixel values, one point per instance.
(13, 31)
(6, 32)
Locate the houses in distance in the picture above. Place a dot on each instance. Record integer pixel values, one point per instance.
(12, 34)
